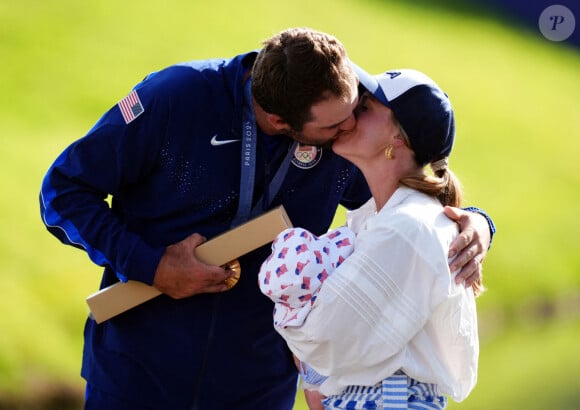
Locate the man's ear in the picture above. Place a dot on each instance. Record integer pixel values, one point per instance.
(277, 122)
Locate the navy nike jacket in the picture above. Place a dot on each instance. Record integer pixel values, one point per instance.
(152, 154)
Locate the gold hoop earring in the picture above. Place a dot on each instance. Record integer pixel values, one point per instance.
(389, 152)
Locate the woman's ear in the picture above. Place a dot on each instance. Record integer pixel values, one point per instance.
(399, 141)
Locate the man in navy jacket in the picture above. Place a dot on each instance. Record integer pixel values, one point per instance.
(194, 150)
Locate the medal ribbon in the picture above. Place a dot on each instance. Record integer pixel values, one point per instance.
(248, 165)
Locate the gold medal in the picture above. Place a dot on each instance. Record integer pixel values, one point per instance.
(236, 267)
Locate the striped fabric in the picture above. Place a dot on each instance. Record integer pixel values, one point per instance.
(395, 392)
(356, 397)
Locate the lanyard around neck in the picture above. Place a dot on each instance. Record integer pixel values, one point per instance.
(248, 165)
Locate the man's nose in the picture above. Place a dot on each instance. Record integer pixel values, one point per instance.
(349, 124)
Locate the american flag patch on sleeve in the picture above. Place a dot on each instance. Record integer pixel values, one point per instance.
(131, 107)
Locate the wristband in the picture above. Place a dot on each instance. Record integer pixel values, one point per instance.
(487, 218)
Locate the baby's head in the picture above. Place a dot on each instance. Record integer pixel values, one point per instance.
(294, 271)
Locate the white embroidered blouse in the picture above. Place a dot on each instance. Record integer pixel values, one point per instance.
(393, 304)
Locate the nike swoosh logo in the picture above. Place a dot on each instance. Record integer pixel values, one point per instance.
(215, 142)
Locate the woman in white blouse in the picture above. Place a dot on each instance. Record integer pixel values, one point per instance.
(390, 328)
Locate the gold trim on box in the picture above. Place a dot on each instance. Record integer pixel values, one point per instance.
(237, 268)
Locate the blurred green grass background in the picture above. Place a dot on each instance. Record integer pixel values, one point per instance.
(516, 95)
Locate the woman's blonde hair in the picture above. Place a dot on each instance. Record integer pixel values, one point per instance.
(441, 184)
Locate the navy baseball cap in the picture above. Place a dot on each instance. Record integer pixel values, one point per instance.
(421, 107)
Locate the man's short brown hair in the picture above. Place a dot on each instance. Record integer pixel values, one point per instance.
(298, 68)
